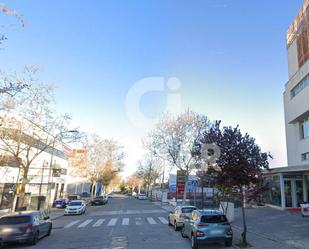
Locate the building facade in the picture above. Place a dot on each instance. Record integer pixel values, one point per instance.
(288, 186)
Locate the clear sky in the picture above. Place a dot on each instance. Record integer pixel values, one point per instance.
(230, 56)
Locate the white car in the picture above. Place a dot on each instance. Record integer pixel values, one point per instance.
(75, 207)
(178, 215)
(142, 197)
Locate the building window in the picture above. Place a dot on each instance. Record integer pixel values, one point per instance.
(305, 156)
(300, 86)
(302, 43)
(305, 128)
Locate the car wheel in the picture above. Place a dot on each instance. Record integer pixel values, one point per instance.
(35, 238)
(228, 243)
(49, 230)
(183, 234)
(193, 242)
(175, 226)
(169, 221)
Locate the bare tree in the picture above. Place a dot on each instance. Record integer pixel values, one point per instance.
(135, 183)
(174, 140)
(149, 171)
(29, 127)
(4, 9)
(102, 160)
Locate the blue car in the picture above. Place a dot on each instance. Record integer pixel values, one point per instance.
(60, 203)
(207, 226)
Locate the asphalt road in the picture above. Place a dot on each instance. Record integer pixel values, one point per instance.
(124, 223)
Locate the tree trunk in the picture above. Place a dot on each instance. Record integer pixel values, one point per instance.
(22, 189)
(244, 233)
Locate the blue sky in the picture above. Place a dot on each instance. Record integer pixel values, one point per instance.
(229, 55)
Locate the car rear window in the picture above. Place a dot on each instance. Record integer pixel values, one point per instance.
(213, 218)
(188, 209)
(75, 203)
(14, 220)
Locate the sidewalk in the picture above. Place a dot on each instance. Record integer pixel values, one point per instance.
(268, 228)
(56, 213)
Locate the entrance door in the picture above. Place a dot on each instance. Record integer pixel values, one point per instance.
(288, 193)
(299, 192)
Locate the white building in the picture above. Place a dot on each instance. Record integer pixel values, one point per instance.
(47, 172)
(289, 185)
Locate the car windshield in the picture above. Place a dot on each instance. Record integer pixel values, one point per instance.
(213, 218)
(99, 198)
(75, 203)
(188, 209)
(14, 220)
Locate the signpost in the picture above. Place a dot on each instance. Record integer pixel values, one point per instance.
(181, 183)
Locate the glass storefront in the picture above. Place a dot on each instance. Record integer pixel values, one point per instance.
(288, 193)
(273, 194)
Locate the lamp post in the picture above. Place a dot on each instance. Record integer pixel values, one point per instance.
(60, 138)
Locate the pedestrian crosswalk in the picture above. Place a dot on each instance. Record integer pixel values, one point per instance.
(112, 222)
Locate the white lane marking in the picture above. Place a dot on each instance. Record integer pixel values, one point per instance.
(85, 223)
(151, 221)
(138, 221)
(112, 222)
(98, 223)
(163, 220)
(125, 221)
(72, 224)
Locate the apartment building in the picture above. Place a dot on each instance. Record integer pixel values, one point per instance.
(289, 185)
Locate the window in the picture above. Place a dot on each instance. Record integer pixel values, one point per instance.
(305, 128)
(187, 209)
(302, 44)
(213, 218)
(305, 156)
(14, 220)
(300, 86)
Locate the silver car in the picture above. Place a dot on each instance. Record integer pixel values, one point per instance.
(75, 207)
(176, 218)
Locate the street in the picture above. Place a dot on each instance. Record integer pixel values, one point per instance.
(124, 222)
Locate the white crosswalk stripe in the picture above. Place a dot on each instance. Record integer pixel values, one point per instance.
(125, 221)
(112, 222)
(85, 223)
(138, 221)
(151, 221)
(98, 223)
(163, 220)
(72, 224)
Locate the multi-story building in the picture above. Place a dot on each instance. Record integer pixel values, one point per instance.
(46, 175)
(290, 185)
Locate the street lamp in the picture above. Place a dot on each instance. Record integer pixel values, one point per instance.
(60, 138)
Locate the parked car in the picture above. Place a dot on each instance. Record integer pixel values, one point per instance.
(73, 198)
(207, 226)
(26, 227)
(99, 200)
(60, 203)
(142, 197)
(75, 207)
(177, 216)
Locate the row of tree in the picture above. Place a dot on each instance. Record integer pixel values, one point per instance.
(191, 142)
(30, 125)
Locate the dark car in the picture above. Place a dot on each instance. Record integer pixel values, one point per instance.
(74, 198)
(207, 226)
(99, 200)
(27, 227)
(60, 203)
